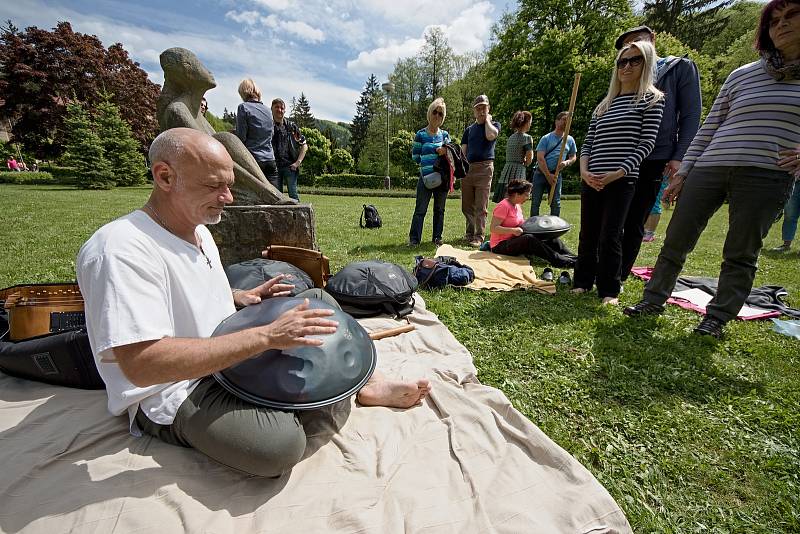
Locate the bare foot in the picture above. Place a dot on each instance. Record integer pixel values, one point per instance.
(393, 394)
(611, 301)
(578, 290)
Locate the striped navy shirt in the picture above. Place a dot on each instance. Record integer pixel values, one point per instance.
(623, 136)
(753, 117)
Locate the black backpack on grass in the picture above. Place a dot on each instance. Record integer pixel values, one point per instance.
(370, 288)
(370, 217)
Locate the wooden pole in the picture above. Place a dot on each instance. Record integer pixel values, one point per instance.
(572, 98)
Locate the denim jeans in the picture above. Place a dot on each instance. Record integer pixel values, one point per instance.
(791, 213)
(289, 177)
(270, 170)
(755, 196)
(540, 185)
(421, 208)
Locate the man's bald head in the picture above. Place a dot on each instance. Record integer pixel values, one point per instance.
(192, 176)
(178, 146)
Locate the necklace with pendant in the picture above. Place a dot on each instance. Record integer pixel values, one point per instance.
(161, 222)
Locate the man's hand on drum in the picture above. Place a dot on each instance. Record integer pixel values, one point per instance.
(271, 288)
(290, 329)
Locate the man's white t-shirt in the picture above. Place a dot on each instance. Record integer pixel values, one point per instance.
(142, 283)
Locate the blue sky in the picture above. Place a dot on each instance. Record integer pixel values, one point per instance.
(325, 48)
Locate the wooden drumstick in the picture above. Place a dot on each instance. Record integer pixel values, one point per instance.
(391, 332)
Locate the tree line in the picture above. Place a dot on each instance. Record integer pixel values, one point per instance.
(530, 65)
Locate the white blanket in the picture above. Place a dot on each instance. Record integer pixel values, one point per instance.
(464, 462)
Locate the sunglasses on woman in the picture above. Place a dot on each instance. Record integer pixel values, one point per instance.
(437, 112)
(634, 61)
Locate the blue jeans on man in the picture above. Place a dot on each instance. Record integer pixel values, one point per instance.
(791, 213)
(421, 208)
(289, 177)
(540, 185)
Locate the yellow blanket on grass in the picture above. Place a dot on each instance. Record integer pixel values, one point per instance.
(497, 272)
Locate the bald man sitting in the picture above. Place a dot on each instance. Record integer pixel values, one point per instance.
(155, 290)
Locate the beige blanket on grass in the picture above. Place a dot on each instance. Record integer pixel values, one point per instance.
(498, 272)
(464, 462)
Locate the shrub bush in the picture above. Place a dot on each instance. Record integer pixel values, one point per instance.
(357, 181)
(63, 175)
(363, 181)
(341, 161)
(571, 185)
(31, 178)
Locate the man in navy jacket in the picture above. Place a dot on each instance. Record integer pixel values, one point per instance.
(680, 81)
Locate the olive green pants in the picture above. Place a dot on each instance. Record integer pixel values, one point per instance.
(254, 439)
(257, 440)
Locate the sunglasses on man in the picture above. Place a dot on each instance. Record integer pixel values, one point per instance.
(634, 61)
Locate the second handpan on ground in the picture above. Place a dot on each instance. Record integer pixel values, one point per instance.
(545, 226)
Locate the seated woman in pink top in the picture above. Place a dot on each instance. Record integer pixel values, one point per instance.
(506, 234)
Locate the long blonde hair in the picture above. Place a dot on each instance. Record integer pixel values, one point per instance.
(645, 80)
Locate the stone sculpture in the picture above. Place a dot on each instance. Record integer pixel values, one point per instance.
(186, 80)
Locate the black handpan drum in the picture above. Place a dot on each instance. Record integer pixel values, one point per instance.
(545, 226)
(301, 378)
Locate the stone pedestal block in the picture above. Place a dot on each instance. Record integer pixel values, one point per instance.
(245, 231)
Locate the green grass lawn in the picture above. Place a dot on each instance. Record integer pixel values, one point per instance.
(687, 434)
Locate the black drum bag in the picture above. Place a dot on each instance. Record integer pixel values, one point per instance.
(375, 287)
(249, 274)
(63, 359)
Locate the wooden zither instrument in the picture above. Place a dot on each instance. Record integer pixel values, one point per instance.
(39, 309)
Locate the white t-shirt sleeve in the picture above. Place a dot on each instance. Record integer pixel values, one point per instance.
(127, 297)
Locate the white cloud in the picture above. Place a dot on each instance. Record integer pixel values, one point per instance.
(245, 17)
(304, 31)
(470, 31)
(415, 13)
(276, 5)
(300, 29)
(467, 33)
(381, 60)
(270, 22)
